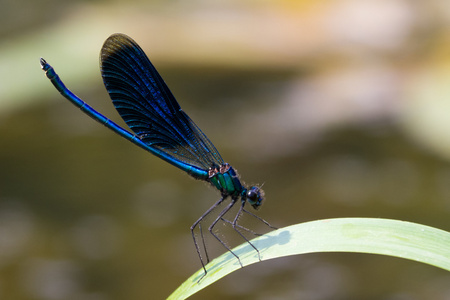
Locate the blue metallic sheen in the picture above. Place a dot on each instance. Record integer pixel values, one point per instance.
(194, 171)
(162, 128)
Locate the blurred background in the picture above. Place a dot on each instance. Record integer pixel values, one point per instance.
(340, 108)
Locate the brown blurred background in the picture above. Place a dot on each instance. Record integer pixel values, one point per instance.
(341, 108)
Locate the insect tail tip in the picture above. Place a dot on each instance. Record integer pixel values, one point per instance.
(43, 62)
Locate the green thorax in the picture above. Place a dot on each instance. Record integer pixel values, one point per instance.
(226, 180)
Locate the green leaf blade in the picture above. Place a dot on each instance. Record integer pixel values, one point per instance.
(362, 235)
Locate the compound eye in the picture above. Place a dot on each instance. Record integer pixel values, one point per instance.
(254, 197)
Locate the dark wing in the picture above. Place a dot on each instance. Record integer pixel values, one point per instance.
(146, 104)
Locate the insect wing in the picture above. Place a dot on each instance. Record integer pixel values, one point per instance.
(149, 108)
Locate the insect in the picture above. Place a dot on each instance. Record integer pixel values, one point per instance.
(161, 127)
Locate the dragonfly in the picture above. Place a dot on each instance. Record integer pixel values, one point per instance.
(161, 127)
